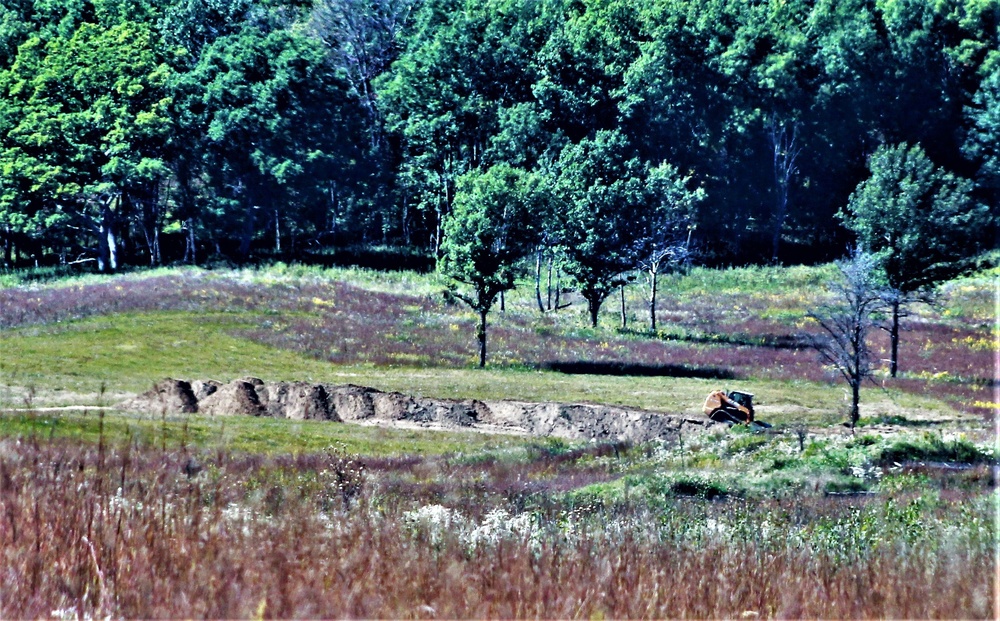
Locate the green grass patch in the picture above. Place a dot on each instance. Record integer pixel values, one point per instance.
(889, 419)
(129, 352)
(68, 363)
(845, 486)
(247, 434)
(754, 280)
(73, 276)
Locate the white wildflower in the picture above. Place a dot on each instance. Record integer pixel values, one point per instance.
(437, 519)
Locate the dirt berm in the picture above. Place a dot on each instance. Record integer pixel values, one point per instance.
(358, 404)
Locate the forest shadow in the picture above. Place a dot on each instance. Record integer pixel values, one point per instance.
(770, 341)
(582, 367)
(381, 259)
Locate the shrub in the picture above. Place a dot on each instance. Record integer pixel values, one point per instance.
(934, 448)
(745, 444)
(865, 440)
(699, 487)
(846, 485)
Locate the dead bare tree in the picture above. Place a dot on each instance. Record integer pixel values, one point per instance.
(785, 146)
(666, 242)
(667, 254)
(859, 299)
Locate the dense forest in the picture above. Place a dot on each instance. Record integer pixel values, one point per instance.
(609, 134)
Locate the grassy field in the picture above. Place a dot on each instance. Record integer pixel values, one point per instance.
(113, 514)
(393, 331)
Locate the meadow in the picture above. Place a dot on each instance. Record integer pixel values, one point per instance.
(109, 514)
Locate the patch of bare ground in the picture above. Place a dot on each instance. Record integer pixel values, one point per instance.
(368, 406)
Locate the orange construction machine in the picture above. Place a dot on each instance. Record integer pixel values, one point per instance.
(732, 407)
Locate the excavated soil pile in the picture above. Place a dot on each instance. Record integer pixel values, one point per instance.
(173, 396)
(362, 405)
(239, 398)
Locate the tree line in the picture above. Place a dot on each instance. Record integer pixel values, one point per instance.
(601, 135)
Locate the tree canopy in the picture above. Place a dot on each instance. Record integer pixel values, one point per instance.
(141, 131)
(921, 222)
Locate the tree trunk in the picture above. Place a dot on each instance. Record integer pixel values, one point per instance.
(481, 337)
(593, 307)
(786, 152)
(894, 338)
(503, 302)
(157, 258)
(112, 248)
(538, 279)
(7, 246)
(149, 221)
(277, 232)
(558, 286)
(779, 223)
(548, 286)
(154, 200)
(189, 242)
(624, 314)
(102, 247)
(246, 238)
(437, 233)
(334, 211)
(652, 299)
(406, 219)
(855, 400)
(186, 210)
(107, 257)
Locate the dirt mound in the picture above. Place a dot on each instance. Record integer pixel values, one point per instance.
(352, 402)
(237, 398)
(297, 400)
(168, 395)
(359, 404)
(584, 421)
(204, 388)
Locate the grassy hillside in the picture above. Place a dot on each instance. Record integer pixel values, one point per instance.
(243, 517)
(740, 327)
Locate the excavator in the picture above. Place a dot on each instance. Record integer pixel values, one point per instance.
(733, 408)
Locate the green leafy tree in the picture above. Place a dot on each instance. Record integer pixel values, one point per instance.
(600, 198)
(362, 39)
(276, 120)
(86, 127)
(462, 63)
(581, 66)
(491, 228)
(983, 140)
(920, 220)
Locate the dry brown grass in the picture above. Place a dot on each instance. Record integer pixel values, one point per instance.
(117, 532)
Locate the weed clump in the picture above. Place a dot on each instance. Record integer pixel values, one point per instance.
(933, 448)
(707, 489)
(746, 444)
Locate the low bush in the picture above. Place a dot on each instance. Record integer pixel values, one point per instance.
(933, 448)
(845, 486)
(745, 444)
(699, 487)
(864, 440)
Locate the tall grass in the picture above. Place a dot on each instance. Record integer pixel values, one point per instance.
(108, 531)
